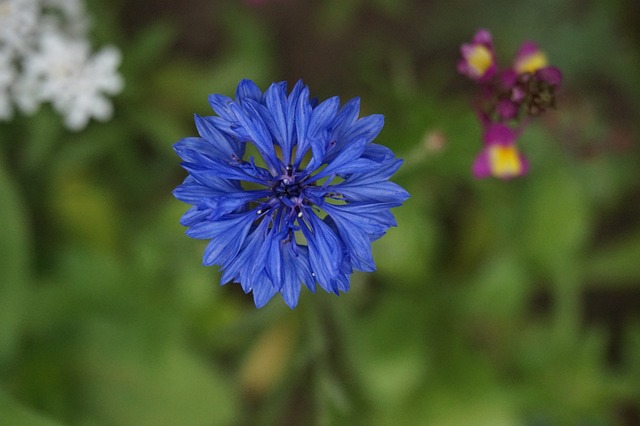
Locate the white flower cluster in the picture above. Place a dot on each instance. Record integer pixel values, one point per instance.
(45, 57)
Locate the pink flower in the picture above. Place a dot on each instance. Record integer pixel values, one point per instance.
(530, 58)
(507, 101)
(478, 58)
(500, 156)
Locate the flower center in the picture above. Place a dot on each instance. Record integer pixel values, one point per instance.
(480, 59)
(286, 189)
(505, 161)
(534, 92)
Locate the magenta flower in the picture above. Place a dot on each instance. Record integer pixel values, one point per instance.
(528, 87)
(535, 82)
(507, 100)
(478, 58)
(500, 156)
(529, 58)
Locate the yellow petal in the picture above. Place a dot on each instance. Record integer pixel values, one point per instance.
(480, 59)
(505, 161)
(532, 63)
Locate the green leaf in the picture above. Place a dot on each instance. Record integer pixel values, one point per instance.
(14, 260)
(146, 51)
(336, 15)
(388, 350)
(488, 407)
(45, 129)
(501, 290)
(15, 414)
(86, 213)
(406, 253)
(162, 127)
(618, 263)
(555, 222)
(126, 384)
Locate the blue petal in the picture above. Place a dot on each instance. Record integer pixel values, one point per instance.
(227, 237)
(209, 172)
(371, 218)
(219, 144)
(193, 216)
(345, 273)
(227, 203)
(213, 229)
(187, 148)
(221, 106)
(255, 130)
(325, 253)
(253, 280)
(318, 135)
(301, 118)
(346, 117)
(300, 255)
(343, 283)
(268, 257)
(359, 165)
(291, 291)
(291, 277)
(366, 127)
(379, 192)
(241, 267)
(247, 89)
(226, 127)
(380, 173)
(263, 291)
(274, 265)
(378, 153)
(276, 102)
(347, 161)
(292, 100)
(297, 270)
(322, 116)
(357, 243)
(191, 191)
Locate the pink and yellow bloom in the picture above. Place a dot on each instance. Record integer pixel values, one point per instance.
(500, 156)
(535, 82)
(508, 99)
(478, 58)
(530, 58)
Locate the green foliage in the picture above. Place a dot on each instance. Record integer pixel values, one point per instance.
(14, 264)
(481, 310)
(618, 264)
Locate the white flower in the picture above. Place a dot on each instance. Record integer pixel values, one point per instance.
(18, 23)
(45, 56)
(70, 15)
(7, 76)
(63, 71)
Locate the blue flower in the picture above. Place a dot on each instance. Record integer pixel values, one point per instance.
(287, 190)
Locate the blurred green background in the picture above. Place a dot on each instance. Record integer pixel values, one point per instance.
(495, 303)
